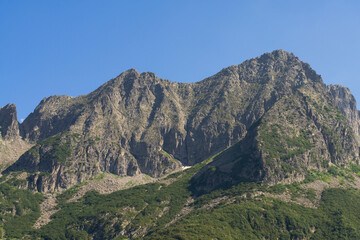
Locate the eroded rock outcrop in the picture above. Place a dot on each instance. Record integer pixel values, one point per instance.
(9, 125)
(12, 146)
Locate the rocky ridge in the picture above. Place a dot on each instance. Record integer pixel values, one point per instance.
(274, 114)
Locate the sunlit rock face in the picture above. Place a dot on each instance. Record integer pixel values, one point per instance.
(274, 110)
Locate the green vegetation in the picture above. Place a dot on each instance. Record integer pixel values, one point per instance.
(355, 169)
(250, 218)
(19, 210)
(265, 218)
(60, 148)
(169, 156)
(328, 111)
(279, 145)
(314, 175)
(68, 194)
(311, 194)
(151, 207)
(147, 206)
(145, 211)
(340, 173)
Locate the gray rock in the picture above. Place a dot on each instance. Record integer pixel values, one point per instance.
(9, 125)
(138, 123)
(347, 104)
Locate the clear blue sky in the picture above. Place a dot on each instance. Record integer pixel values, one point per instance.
(72, 47)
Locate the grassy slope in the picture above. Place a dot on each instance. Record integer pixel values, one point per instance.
(103, 215)
(145, 211)
(336, 218)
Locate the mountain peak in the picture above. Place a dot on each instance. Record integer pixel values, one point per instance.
(281, 52)
(278, 55)
(8, 122)
(131, 72)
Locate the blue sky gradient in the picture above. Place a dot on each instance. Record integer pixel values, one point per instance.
(72, 47)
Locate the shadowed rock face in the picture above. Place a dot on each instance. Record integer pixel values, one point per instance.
(8, 122)
(12, 146)
(138, 123)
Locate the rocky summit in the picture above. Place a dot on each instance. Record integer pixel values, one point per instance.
(270, 119)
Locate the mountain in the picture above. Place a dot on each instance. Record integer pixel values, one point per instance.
(260, 150)
(274, 111)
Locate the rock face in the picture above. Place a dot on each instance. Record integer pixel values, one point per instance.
(274, 110)
(346, 102)
(306, 126)
(9, 126)
(11, 144)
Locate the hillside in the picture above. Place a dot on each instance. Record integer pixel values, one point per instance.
(323, 206)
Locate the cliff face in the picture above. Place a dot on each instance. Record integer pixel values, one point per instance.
(274, 110)
(8, 122)
(306, 126)
(346, 102)
(300, 132)
(11, 144)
